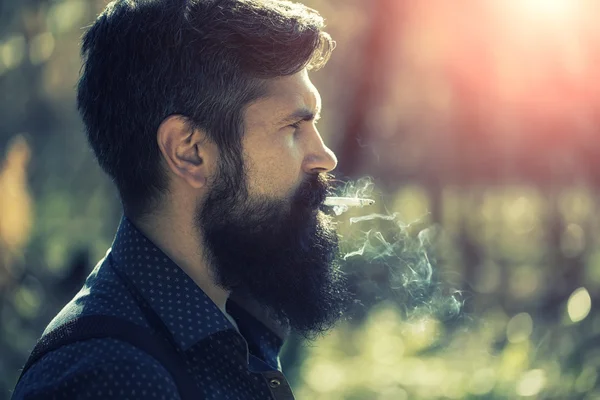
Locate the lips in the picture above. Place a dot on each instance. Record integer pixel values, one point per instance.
(311, 194)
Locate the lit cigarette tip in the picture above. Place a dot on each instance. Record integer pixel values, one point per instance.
(348, 201)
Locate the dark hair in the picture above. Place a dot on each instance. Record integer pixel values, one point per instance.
(206, 60)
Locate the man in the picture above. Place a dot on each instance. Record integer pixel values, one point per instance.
(203, 114)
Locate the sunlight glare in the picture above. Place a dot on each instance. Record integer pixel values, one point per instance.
(551, 10)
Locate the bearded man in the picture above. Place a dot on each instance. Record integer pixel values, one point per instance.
(203, 114)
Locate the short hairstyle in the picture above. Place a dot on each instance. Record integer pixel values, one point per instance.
(144, 60)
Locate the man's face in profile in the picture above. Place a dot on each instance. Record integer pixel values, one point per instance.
(269, 238)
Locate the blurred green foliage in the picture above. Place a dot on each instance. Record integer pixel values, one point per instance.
(480, 116)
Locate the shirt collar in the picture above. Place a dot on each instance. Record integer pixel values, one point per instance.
(185, 309)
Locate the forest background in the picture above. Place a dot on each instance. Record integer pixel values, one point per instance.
(476, 122)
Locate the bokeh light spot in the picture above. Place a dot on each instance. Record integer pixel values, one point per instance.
(579, 304)
(12, 51)
(41, 48)
(572, 241)
(531, 383)
(519, 328)
(325, 377)
(483, 381)
(412, 201)
(27, 302)
(66, 15)
(524, 281)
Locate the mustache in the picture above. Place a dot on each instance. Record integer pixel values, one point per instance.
(313, 191)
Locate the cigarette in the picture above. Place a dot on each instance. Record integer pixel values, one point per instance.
(348, 201)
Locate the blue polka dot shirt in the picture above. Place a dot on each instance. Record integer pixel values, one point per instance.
(225, 362)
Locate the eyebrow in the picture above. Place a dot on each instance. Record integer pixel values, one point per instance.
(301, 114)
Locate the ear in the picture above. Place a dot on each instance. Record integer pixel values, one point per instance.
(188, 153)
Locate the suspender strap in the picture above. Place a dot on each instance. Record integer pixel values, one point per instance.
(104, 326)
(157, 342)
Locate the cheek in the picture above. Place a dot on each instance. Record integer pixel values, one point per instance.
(273, 167)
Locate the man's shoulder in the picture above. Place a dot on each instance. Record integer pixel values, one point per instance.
(102, 294)
(97, 369)
(84, 369)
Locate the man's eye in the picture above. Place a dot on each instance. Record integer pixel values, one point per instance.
(296, 125)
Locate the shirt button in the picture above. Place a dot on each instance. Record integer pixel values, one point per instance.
(274, 382)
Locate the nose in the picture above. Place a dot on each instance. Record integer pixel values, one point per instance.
(319, 158)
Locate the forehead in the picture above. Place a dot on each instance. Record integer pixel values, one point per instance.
(284, 96)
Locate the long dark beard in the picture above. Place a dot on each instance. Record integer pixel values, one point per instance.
(282, 253)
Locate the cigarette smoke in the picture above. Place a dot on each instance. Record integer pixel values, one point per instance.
(394, 260)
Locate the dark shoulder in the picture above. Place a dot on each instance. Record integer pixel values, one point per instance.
(97, 369)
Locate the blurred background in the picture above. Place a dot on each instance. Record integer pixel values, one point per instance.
(477, 117)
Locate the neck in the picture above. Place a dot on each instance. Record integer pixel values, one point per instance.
(182, 244)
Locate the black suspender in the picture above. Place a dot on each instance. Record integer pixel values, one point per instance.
(160, 345)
